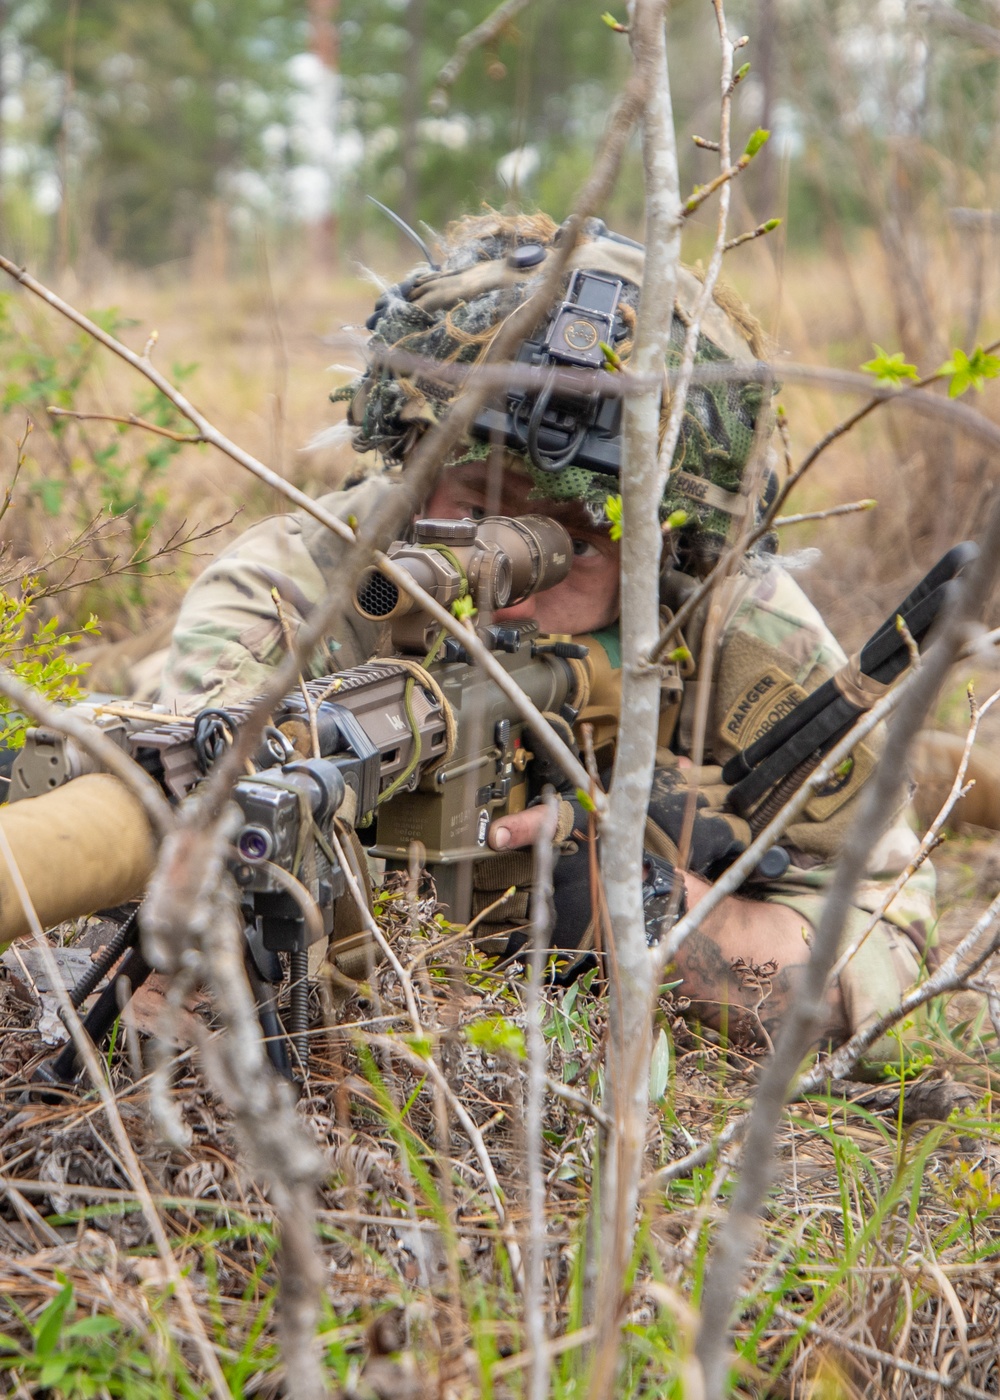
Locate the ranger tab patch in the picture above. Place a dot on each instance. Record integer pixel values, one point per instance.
(759, 706)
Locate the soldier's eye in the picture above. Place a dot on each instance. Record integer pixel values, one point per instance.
(583, 549)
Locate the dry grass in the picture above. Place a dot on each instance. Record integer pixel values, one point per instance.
(869, 1241)
(877, 1252)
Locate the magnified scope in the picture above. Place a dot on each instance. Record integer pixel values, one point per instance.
(497, 562)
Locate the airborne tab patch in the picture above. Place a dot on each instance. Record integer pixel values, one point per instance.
(759, 706)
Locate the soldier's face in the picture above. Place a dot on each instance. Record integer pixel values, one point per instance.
(587, 598)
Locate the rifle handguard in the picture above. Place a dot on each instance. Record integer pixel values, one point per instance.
(86, 845)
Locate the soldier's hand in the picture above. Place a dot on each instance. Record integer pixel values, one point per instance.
(717, 837)
(520, 829)
(524, 828)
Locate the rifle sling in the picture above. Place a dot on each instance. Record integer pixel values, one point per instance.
(820, 721)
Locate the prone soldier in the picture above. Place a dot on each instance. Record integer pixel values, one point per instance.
(558, 455)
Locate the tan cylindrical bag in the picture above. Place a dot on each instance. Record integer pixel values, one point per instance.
(84, 846)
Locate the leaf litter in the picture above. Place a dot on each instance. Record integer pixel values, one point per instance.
(876, 1271)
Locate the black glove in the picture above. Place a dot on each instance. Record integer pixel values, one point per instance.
(717, 837)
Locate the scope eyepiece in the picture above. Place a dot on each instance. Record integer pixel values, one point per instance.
(497, 562)
(538, 548)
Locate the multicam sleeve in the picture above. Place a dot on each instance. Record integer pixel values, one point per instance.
(228, 638)
(776, 648)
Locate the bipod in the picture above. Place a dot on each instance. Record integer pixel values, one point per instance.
(124, 965)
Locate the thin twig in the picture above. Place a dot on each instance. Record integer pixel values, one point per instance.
(130, 420)
(8, 494)
(484, 33)
(853, 419)
(534, 1277)
(91, 1062)
(929, 841)
(850, 508)
(839, 1340)
(768, 226)
(106, 753)
(472, 1132)
(877, 802)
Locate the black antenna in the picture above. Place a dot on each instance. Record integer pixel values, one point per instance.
(404, 227)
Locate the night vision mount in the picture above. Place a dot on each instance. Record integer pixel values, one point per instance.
(560, 426)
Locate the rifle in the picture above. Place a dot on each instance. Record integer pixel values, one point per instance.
(764, 775)
(420, 747)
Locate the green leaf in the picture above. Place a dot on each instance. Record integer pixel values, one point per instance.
(969, 371)
(497, 1036)
(420, 1045)
(612, 359)
(741, 73)
(659, 1068)
(585, 800)
(676, 519)
(758, 139)
(464, 607)
(50, 493)
(614, 24)
(613, 510)
(890, 369)
(93, 1327)
(53, 1371)
(771, 224)
(49, 1325)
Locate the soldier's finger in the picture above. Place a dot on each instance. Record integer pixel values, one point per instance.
(521, 829)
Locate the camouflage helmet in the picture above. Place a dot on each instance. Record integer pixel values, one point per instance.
(490, 265)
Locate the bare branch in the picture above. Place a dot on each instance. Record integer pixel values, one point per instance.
(983, 36)
(130, 420)
(851, 508)
(849, 422)
(630, 990)
(190, 922)
(534, 1278)
(878, 801)
(8, 494)
(484, 33)
(768, 226)
(929, 840)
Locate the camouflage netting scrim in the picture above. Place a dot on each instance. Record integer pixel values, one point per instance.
(451, 315)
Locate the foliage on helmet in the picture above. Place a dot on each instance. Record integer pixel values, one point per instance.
(450, 316)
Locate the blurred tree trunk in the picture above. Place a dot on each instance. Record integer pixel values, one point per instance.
(323, 42)
(3, 30)
(69, 58)
(416, 29)
(765, 165)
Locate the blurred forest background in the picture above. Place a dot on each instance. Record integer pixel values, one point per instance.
(200, 166)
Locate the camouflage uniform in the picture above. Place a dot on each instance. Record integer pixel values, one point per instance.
(228, 639)
(773, 645)
(773, 648)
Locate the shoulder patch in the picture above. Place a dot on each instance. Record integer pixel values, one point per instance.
(840, 789)
(759, 706)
